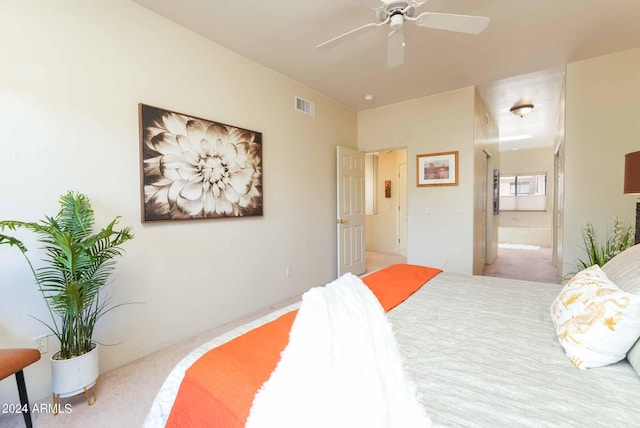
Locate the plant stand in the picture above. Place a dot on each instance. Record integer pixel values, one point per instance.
(87, 395)
(77, 375)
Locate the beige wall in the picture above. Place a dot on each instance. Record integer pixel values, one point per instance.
(440, 219)
(528, 227)
(72, 75)
(487, 158)
(602, 125)
(382, 228)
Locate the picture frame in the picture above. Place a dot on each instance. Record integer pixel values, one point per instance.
(437, 169)
(387, 189)
(195, 168)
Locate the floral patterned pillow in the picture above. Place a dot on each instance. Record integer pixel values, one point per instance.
(596, 322)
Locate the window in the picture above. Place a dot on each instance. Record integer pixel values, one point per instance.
(526, 192)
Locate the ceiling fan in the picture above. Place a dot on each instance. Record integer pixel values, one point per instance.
(395, 13)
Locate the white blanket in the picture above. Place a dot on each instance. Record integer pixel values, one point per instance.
(341, 368)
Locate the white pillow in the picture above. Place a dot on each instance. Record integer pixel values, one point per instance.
(624, 269)
(634, 357)
(596, 322)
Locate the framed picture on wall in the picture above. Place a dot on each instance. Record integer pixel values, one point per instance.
(437, 169)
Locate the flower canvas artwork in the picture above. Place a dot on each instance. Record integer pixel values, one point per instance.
(194, 168)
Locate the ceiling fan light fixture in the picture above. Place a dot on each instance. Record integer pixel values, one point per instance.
(521, 108)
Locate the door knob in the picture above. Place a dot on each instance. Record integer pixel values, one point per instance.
(341, 221)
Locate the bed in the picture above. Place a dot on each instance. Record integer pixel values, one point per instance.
(481, 352)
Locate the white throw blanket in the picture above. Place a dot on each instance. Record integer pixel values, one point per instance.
(341, 368)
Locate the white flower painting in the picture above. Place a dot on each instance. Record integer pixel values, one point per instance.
(194, 168)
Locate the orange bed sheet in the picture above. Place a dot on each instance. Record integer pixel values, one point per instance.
(218, 389)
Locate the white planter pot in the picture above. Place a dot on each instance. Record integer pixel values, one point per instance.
(75, 375)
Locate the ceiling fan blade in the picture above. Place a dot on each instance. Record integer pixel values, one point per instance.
(347, 36)
(395, 48)
(451, 22)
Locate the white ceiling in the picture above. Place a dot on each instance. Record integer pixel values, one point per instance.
(543, 89)
(521, 54)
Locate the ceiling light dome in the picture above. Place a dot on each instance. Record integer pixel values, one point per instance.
(521, 108)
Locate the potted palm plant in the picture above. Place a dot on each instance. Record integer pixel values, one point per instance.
(77, 264)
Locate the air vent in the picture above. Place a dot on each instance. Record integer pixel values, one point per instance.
(305, 106)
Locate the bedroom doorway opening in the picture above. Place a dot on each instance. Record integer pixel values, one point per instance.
(386, 208)
(529, 232)
(525, 234)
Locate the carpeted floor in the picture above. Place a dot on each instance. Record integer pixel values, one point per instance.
(375, 260)
(531, 264)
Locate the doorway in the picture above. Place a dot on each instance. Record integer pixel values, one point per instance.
(525, 235)
(529, 185)
(386, 216)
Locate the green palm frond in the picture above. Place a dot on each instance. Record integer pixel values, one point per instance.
(9, 240)
(618, 238)
(78, 264)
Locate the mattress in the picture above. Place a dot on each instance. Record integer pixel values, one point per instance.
(483, 353)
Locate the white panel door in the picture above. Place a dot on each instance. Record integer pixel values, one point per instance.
(350, 221)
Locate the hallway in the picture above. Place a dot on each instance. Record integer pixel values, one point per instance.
(375, 260)
(514, 263)
(525, 264)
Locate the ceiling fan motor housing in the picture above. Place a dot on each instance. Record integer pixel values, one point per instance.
(396, 21)
(395, 8)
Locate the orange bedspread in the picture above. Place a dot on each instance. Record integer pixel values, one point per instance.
(218, 389)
